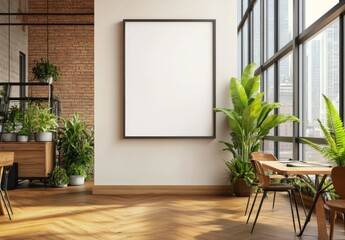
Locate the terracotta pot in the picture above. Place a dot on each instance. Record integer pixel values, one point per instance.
(241, 189)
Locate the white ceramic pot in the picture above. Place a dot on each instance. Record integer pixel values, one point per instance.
(9, 137)
(44, 137)
(76, 180)
(22, 138)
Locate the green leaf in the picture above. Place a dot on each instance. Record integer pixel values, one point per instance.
(248, 73)
(238, 95)
(252, 87)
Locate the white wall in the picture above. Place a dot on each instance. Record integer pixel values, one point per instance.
(121, 161)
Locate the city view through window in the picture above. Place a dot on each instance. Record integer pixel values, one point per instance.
(318, 71)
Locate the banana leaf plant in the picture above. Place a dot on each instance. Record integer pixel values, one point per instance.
(250, 120)
(334, 132)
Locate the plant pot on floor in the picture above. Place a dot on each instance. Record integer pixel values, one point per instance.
(44, 137)
(76, 180)
(241, 189)
(9, 137)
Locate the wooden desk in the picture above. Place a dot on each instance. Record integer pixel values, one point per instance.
(6, 159)
(314, 169)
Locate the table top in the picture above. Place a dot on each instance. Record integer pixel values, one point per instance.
(285, 168)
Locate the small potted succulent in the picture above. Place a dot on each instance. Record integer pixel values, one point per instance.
(58, 177)
(45, 71)
(77, 174)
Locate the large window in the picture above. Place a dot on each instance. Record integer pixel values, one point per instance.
(298, 61)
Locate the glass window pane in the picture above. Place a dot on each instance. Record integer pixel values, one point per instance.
(239, 11)
(320, 75)
(269, 28)
(285, 150)
(285, 95)
(244, 6)
(269, 147)
(245, 44)
(285, 22)
(239, 56)
(269, 89)
(310, 154)
(313, 10)
(256, 33)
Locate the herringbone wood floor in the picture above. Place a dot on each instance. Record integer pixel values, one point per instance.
(74, 213)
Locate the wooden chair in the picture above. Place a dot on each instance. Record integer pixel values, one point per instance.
(273, 177)
(266, 185)
(6, 159)
(338, 205)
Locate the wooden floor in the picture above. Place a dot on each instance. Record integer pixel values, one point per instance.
(74, 213)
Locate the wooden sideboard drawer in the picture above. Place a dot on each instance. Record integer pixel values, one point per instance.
(35, 159)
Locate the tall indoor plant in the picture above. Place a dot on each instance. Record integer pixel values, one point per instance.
(76, 145)
(334, 132)
(250, 120)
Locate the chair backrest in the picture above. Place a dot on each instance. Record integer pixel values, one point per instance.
(260, 173)
(6, 158)
(338, 179)
(263, 156)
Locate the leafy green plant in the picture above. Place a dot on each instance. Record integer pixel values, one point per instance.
(12, 120)
(42, 120)
(251, 119)
(334, 133)
(76, 143)
(44, 69)
(58, 177)
(76, 169)
(238, 169)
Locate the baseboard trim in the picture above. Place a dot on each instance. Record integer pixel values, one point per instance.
(162, 189)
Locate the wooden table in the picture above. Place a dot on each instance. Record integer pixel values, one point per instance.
(313, 169)
(6, 159)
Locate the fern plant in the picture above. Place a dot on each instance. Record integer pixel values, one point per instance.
(250, 120)
(334, 133)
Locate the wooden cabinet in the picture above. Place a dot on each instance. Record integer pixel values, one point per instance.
(35, 159)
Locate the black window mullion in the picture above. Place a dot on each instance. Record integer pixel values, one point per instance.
(296, 79)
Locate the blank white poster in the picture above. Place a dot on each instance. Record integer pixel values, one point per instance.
(169, 78)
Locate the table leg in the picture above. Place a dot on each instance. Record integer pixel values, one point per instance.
(317, 203)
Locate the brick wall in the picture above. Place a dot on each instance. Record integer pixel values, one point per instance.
(69, 47)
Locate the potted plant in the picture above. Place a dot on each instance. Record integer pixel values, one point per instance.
(75, 144)
(12, 124)
(58, 177)
(45, 71)
(334, 133)
(24, 129)
(250, 121)
(44, 123)
(77, 174)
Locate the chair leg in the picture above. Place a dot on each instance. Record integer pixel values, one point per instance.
(3, 199)
(245, 213)
(302, 201)
(6, 193)
(257, 214)
(298, 218)
(332, 220)
(251, 209)
(293, 217)
(274, 199)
